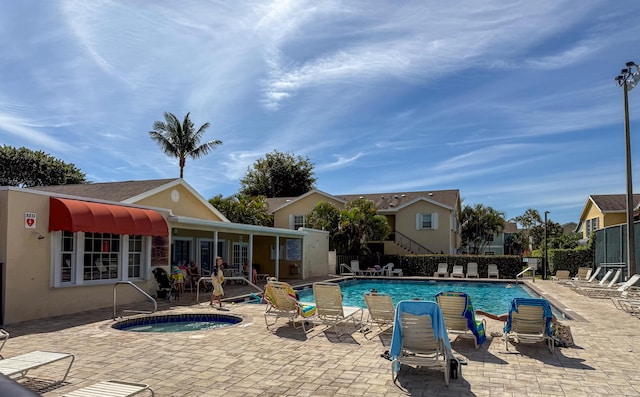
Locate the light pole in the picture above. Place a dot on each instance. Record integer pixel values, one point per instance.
(546, 251)
(628, 80)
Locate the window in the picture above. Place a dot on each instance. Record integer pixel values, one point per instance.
(240, 255)
(297, 221)
(85, 258)
(135, 257)
(592, 225)
(427, 221)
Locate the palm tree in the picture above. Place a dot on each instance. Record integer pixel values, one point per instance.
(181, 140)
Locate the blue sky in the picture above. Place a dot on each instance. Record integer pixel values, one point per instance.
(514, 103)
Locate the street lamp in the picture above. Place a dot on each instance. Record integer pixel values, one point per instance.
(628, 79)
(545, 265)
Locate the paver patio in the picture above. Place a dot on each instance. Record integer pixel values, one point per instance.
(248, 360)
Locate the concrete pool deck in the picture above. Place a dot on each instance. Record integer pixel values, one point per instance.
(248, 360)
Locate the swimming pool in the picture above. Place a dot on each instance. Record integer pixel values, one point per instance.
(490, 297)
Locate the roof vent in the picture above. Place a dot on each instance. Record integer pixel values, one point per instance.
(361, 197)
(391, 205)
(287, 200)
(395, 196)
(404, 195)
(430, 193)
(382, 197)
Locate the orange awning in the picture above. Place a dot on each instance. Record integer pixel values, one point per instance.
(84, 216)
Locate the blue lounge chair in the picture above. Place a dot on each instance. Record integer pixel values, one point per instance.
(420, 338)
(529, 321)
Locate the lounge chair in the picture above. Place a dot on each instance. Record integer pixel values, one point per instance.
(111, 388)
(614, 291)
(589, 280)
(472, 270)
(529, 321)
(381, 312)
(584, 273)
(602, 285)
(577, 285)
(442, 270)
(355, 267)
(390, 271)
(329, 306)
(18, 367)
(458, 271)
(4, 336)
(561, 275)
(282, 302)
(492, 271)
(459, 316)
(420, 338)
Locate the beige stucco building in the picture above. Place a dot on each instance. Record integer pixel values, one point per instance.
(421, 222)
(63, 248)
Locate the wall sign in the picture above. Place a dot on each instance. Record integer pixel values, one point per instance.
(30, 220)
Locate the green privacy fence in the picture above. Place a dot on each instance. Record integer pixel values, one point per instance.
(611, 244)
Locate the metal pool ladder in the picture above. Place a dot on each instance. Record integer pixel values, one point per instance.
(155, 304)
(522, 273)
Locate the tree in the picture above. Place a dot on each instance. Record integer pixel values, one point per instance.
(279, 175)
(181, 140)
(359, 224)
(244, 209)
(529, 219)
(325, 216)
(24, 167)
(479, 224)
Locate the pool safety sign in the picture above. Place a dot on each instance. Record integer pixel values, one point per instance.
(30, 220)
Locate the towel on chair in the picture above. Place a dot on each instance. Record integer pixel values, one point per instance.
(476, 327)
(419, 308)
(547, 314)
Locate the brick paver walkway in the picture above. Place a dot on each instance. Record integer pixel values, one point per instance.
(248, 360)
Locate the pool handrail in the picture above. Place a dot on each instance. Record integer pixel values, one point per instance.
(521, 274)
(155, 303)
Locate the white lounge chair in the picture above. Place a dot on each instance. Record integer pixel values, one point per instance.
(561, 275)
(282, 303)
(18, 367)
(111, 388)
(602, 285)
(590, 279)
(442, 270)
(529, 321)
(576, 286)
(329, 306)
(390, 271)
(381, 312)
(614, 291)
(472, 270)
(458, 271)
(355, 267)
(420, 338)
(492, 271)
(584, 273)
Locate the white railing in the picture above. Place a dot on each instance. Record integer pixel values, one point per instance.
(522, 273)
(155, 304)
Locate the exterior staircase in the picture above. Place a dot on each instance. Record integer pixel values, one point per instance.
(410, 245)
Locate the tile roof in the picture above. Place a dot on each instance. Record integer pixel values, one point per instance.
(109, 191)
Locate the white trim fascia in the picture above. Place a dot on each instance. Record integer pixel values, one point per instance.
(235, 227)
(176, 182)
(310, 192)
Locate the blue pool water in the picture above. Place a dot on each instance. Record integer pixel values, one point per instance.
(177, 323)
(490, 297)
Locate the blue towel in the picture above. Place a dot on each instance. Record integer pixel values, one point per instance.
(476, 327)
(419, 308)
(547, 314)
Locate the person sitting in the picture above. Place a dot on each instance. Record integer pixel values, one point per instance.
(194, 275)
(254, 276)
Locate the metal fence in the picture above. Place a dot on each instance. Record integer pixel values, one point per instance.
(611, 244)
